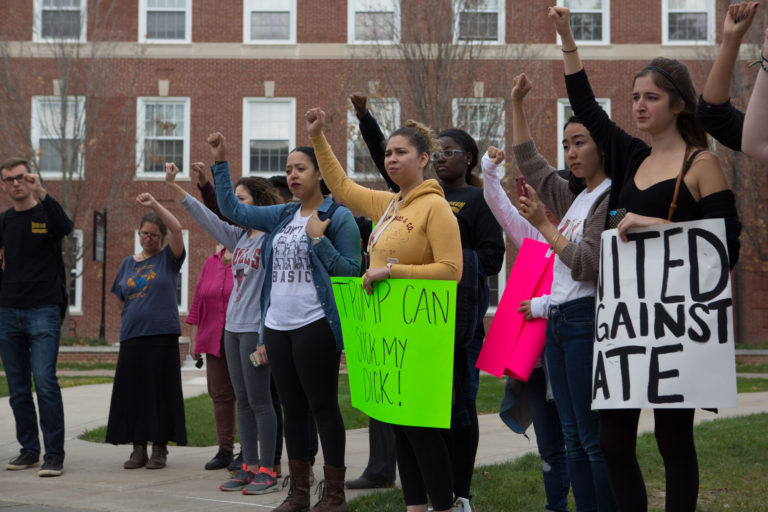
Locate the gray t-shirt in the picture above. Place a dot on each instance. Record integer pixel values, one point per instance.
(244, 308)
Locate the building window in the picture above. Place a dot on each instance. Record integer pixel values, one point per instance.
(590, 20)
(162, 135)
(373, 21)
(688, 21)
(482, 118)
(57, 131)
(182, 286)
(269, 21)
(165, 21)
(497, 282)
(387, 113)
(565, 112)
(76, 282)
(269, 133)
(57, 20)
(479, 20)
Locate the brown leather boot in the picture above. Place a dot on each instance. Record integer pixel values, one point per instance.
(159, 456)
(138, 458)
(298, 493)
(331, 491)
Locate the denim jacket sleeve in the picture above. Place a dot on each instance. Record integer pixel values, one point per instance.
(342, 257)
(263, 218)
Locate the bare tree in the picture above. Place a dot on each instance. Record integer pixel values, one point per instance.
(66, 112)
(446, 62)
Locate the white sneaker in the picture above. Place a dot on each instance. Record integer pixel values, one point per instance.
(461, 505)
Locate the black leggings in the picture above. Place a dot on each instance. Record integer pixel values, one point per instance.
(425, 465)
(463, 451)
(305, 366)
(674, 437)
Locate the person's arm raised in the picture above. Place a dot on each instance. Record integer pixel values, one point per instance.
(561, 19)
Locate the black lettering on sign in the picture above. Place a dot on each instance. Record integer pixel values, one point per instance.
(424, 306)
(600, 380)
(655, 375)
(622, 317)
(694, 234)
(623, 354)
(663, 319)
(601, 328)
(669, 264)
(639, 239)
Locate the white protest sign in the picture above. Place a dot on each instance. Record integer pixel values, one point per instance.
(664, 319)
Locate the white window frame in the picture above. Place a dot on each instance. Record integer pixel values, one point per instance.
(456, 103)
(562, 103)
(77, 307)
(183, 273)
(376, 105)
(143, 11)
(247, 102)
(36, 131)
(500, 20)
(291, 26)
(502, 279)
(709, 8)
(606, 15)
(352, 9)
(37, 26)
(141, 103)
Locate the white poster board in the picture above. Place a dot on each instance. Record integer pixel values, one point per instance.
(664, 319)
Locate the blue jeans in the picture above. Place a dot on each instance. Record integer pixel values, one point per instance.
(549, 438)
(570, 333)
(29, 345)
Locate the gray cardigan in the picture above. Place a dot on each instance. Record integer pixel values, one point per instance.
(582, 258)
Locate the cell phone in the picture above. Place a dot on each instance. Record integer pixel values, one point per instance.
(521, 190)
(615, 216)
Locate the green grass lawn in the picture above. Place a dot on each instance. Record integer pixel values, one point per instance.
(64, 382)
(733, 471)
(751, 368)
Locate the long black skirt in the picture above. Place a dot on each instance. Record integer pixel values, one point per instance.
(147, 400)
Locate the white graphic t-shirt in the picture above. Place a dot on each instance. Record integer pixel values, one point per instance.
(294, 301)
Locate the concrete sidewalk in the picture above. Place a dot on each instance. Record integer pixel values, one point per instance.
(94, 478)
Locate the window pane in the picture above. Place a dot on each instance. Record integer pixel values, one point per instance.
(50, 154)
(61, 24)
(164, 120)
(587, 27)
(270, 25)
(268, 155)
(62, 4)
(493, 287)
(584, 4)
(166, 4)
(158, 152)
(165, 25)
(374, 26)
(480, 26)
(687, 5)
(687, 26)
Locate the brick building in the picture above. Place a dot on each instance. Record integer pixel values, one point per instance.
(152, 78)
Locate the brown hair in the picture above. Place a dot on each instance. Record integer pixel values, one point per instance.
(262, 191)
(12, 162)
(675, 79)
(419, 135)
(155, 219)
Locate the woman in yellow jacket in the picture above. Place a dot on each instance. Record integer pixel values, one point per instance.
(416, 237)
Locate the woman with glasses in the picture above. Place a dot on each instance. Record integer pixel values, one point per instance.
(147, 402)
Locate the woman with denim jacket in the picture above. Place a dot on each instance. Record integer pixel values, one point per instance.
(301, 331)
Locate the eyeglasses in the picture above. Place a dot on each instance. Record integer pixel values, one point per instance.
(11, 179)
(445, 155)
(146, 234)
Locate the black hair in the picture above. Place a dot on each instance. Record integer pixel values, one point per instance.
(467, 143)
(576, 185)
(310, 152)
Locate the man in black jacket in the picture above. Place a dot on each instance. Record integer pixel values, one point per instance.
(32, 297)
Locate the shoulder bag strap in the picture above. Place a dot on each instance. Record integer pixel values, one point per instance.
(687, 162)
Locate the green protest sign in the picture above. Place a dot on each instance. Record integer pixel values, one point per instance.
(399, 348)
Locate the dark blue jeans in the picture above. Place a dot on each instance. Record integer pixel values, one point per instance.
(549, 439)
(29, 345)
(570, 333)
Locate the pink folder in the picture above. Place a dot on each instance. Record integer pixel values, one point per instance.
(513, 345)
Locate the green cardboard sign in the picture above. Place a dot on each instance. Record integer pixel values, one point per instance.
(399, 347)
